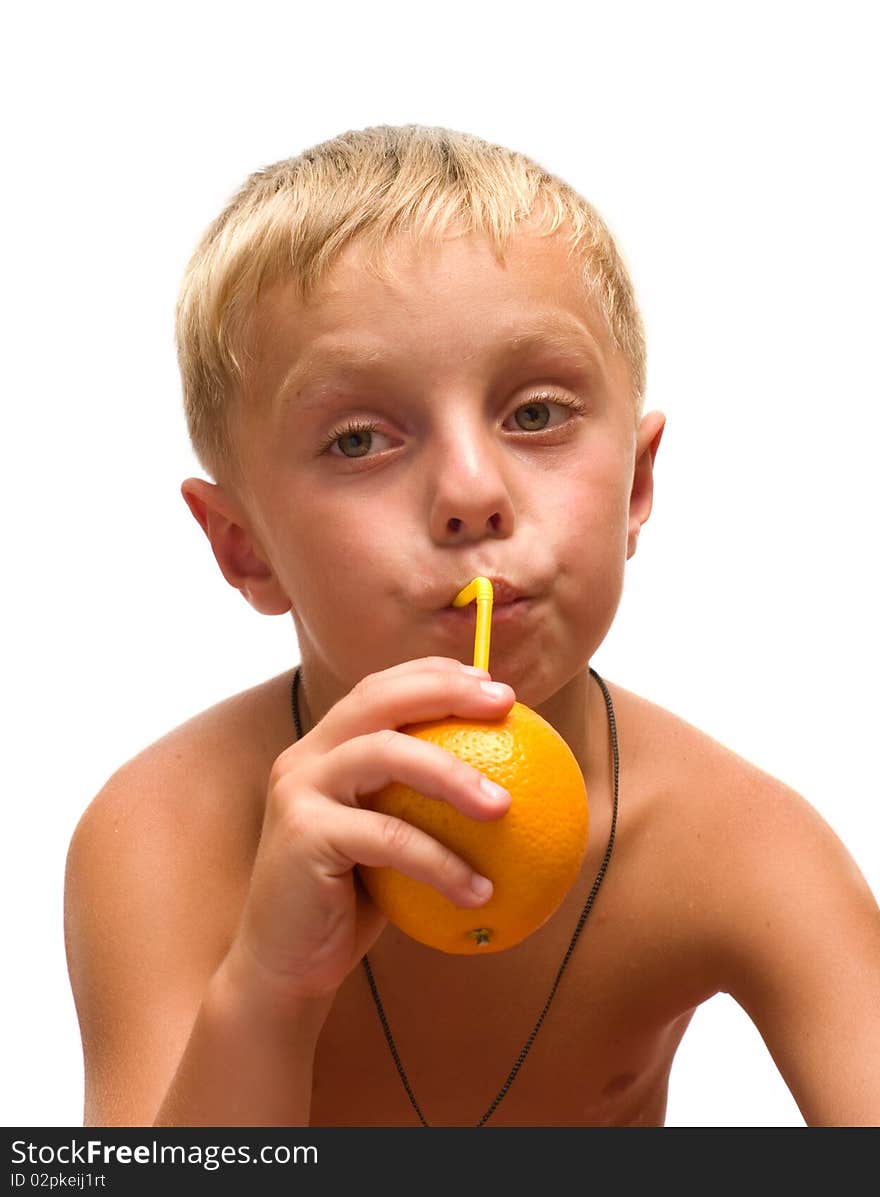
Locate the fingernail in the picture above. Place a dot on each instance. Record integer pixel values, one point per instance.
(495, 792)
(481, 886)
(495, 689)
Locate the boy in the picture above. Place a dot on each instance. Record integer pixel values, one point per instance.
(410, 358)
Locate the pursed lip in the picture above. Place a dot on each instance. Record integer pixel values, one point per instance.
(511, 606)
(504, 592)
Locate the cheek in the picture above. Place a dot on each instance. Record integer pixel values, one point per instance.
(322, 560)
(336, 561)
(592, 524)
(592, 505)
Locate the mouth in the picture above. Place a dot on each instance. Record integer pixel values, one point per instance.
(504, 594)
(509, 603)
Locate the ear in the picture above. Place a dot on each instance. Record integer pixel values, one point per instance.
(242, 560)
(641, 498)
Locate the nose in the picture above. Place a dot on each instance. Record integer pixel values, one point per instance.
(470, 497)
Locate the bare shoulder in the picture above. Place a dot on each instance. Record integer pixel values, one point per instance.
(730, 846)
(771, 901)
(689, 780)
(205, 778)
(157, 870)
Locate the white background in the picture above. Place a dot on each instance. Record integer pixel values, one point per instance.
(732, 150)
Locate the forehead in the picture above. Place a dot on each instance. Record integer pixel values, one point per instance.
(442, 307)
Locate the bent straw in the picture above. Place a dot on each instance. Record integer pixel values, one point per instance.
(481, 590)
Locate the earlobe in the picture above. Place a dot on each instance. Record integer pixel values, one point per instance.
(641, 501)
(239, 554)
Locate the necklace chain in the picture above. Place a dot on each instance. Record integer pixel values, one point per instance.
(588, 905)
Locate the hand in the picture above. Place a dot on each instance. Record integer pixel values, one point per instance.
(307, 920)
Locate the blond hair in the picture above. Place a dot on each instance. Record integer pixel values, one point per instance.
(291, 221)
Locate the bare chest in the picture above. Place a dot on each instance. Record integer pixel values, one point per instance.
(478, 1035)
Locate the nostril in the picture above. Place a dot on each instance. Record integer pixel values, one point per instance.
(454, 524)
(495, 520)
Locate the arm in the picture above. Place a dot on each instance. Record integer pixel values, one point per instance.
(175, 1029)
(249, 1058)
(801, 953)
(205, 952)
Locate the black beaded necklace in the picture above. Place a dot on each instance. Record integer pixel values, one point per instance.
(380, 1009)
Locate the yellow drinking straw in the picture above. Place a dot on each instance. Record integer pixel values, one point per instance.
(481, 590)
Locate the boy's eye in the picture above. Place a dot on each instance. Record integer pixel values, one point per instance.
(357, 439)
(532, 417)
(355, 443)
(537, 414)
(351, 440)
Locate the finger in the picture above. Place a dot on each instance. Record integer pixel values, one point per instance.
(354, 836)
(443, 664)
(386, 700)
(362, 766)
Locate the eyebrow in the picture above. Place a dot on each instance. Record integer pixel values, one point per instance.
(571, 340)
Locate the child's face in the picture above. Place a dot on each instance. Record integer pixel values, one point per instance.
(403, 437)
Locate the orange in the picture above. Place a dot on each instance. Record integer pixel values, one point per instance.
(532, 854)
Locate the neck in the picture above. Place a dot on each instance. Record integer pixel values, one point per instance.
(577, 712)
